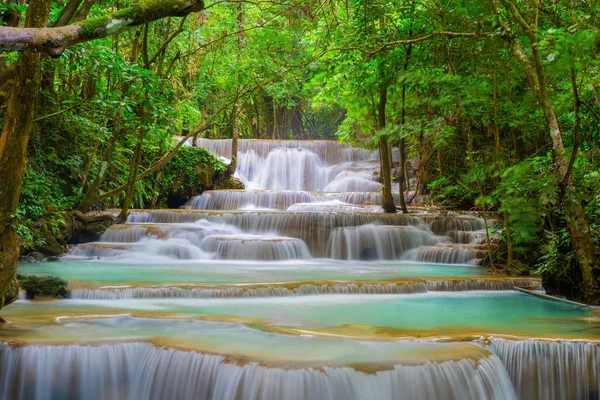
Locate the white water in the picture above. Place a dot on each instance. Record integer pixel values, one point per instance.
(277, 199)
(534, 369)
(551, 370)
(301, 290)
(296, 177)
(311, 222)
(140, 371)
(377, 242)
(256, 247)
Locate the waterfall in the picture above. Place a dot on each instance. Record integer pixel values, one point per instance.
(256, 247)
(352, 181)
(314, 228)
(250, 291)
(280, 290)
(178, 249)
(327, 206)
(288, 169)
(191, 232)
(331, 152)
(551, 370)
(327, 229)
(141, 371)
(458, 285)
(276, 199)
(444, 255)
(235, 199)
(445, 225)
(376, 241)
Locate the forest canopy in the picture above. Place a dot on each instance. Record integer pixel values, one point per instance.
(491, 104)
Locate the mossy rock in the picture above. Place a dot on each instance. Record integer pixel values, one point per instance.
(191, 171)
(42, 286)
(231, 183)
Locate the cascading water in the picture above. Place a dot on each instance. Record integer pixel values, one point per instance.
(551, 370)
(377, 242)
(142, 371)
(284, 290)
(277, 290)
(256, 247)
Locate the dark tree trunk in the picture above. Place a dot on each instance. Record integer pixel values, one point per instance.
(237, 108)
(134, 167)
(13, 152)
(384, 156)
(92, 192)
(577, 222)
(67, 13)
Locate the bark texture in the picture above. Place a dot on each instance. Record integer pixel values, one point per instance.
(384, 156)
(13, 152)
(577, 222)
(53, 41)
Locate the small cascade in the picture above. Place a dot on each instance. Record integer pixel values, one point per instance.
(327, 206)
(141, 371)
(249, 291)
(353, 181)
(256, 247)
(364, 198)
(177, 249)
(459, 285)
(551, 370)
(445, 255)
(193, 233)
(331, 229)
(467, 237)
(314, 228)
(445, 225)
(236, 199)
(130, 234)
(367, 242)
(138, 217)
(287, 169)
(174, 241)
(331, 152)
(283, 290)
(276, 199)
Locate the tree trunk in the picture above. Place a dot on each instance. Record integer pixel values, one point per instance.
(92, 192)
(67, 13)
(13, 152)
(134, 167)
(401, 178)
(577, 222)
(84, 10)
(384, 156)
(237, 109)
(88, 167)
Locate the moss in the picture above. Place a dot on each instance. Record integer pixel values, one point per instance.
(190, 172)
(142, 12)
(42, 286)
(89, 27)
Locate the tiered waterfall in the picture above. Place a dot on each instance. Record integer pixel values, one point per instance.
(298, 287)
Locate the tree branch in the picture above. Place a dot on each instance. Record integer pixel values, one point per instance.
(65, 110)
(53, 41)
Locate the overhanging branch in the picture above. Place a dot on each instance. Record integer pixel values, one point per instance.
(53, 41)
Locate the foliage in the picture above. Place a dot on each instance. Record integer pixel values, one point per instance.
(460, 101)
(191, 171)
(452, 194)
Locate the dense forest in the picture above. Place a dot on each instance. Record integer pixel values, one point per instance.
(492, 105)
